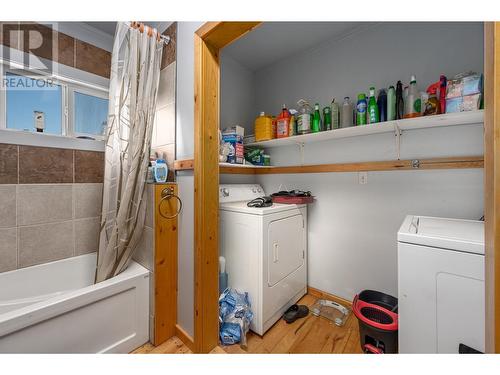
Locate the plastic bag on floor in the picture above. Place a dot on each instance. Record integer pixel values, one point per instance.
(235, 316)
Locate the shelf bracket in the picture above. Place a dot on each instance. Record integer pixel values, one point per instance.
(301, 151)
(397, 134)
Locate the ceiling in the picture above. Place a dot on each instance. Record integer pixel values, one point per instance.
(273, 41)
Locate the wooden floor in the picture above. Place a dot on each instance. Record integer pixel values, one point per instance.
(308, 335)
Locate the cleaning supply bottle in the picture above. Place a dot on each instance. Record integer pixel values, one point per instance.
(347, 111)
(327, 118)
(283, 123)
(413, 103)
(335, 114)
(399, 101)
(382, 105)
(391, 104)
(304, 119)
(442, 93)
(373, 114)
(361, 109)
(432, 104)
(263, 127)
(160, 170)
(316, 123)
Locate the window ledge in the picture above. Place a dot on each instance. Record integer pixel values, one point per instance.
(19, 137)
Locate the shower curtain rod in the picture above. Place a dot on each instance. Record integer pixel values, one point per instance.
(142, 27)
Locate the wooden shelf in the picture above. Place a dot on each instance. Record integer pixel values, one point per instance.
(449, 119)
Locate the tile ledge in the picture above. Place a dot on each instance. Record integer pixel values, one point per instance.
(23, 138)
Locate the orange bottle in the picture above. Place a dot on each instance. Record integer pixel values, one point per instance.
(283, 123)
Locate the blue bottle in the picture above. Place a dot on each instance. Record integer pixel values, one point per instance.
(382, 105)
(160, 170)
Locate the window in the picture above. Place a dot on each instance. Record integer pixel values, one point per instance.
(52, 106)
(90, 114)
(24, 100)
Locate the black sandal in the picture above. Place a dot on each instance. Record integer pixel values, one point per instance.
(295, 312)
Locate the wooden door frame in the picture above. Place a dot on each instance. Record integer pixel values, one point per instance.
(492, 184)
(209, 39)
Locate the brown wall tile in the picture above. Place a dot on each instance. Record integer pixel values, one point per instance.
(9, 34)
(38, 40)
(92, 59)
(65, 49)
(8, 164)
(89, 166)
(169, 51)
(45, 165)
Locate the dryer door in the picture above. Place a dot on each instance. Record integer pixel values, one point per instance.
(285, 248)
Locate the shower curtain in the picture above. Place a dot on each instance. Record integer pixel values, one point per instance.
(135, 72)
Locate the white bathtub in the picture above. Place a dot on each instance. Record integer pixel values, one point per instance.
(56, 308)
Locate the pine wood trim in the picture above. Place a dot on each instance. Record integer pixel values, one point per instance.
(325, 295)
(184, 164)
(459, 162)
(206, 204)
(165, 271)
(492, 184)
(220, 34)
(184, 337)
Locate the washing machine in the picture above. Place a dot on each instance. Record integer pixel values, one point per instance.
(265, 250)
(441, 285)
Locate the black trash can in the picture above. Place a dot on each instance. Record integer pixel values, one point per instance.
(377, 315)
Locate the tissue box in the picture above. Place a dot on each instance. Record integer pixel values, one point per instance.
(463, 103)
(234, 130)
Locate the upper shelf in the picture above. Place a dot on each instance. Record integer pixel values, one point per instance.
(448, 119)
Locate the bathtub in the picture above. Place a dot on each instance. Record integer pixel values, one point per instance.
(56, 308)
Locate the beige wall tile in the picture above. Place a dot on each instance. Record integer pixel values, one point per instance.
(165, 125)
(8, 249)
(7, 206)
(87, 235)
(166, 88)
(87, 200)
(38, 204)
(145, 249)
(45, 243)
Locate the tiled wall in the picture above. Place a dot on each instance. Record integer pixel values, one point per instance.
(68, 50)
(50, 203)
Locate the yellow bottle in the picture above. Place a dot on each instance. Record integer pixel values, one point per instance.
(263, 128)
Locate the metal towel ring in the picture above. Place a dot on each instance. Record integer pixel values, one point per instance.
(167, 194)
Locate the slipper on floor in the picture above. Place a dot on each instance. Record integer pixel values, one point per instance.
(295, 312)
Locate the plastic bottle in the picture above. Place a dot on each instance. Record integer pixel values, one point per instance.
(347, 112)
(283, 123)
(361, 109)
(372, 107)
(263, 127)
(432, 105)
(160, 170)
(382, 105)
(399, 101)
(413, 102)
(327, 118)
(316, 123)
(442, 93)
(335, 114)
(304, 119)
(391, 104)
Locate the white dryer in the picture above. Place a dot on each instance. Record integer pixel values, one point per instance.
(441, 285)
(265, 250)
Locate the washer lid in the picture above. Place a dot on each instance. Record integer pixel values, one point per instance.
(242, 207)
(453, 234)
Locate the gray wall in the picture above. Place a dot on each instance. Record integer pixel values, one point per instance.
(185, 180)
(352, 232)
(237, 93)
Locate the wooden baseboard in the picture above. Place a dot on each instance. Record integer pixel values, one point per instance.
(324, 295)
(184, 337)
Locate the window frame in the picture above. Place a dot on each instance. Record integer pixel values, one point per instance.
(68, 88)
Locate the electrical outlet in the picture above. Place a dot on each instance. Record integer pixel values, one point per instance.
(363, 178)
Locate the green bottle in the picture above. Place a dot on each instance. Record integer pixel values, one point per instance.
(373, 114)
(316, 124)
(327, 118)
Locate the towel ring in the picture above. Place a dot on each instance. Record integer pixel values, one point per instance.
(167, 194)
